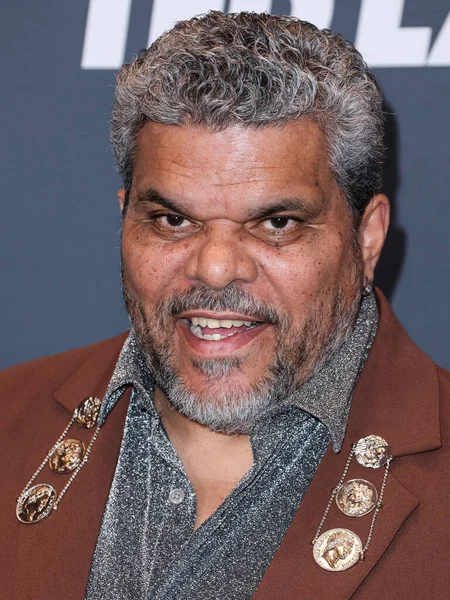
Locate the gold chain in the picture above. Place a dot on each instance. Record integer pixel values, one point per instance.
(78, 469)
(47, 458)
(378, 507)
(85, 415)
(335, 490)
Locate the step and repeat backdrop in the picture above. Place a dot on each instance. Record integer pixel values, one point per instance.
(59, 242)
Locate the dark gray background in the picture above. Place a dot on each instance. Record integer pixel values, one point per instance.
(59, 214)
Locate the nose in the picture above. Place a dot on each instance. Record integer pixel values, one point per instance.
(219, 259)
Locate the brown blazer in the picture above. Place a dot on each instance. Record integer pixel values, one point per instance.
(401, 395)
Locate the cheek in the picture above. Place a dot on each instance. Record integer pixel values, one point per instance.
(152, 268)
(301, 275)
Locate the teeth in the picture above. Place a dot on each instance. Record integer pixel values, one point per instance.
(196, 331)
(215, 337)
(218, 323)
(226, 323)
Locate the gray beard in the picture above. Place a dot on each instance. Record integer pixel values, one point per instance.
(223, 405)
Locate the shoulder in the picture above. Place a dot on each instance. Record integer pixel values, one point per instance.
(52, 371)
(444, 394)
(444, 380)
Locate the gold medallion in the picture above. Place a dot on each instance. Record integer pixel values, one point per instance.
(372, 451)
(337, 550)
(356, 497)
(36, 503)
(87, 412)
(67, 456)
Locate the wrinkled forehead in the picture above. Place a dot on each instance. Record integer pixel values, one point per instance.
(240, 148)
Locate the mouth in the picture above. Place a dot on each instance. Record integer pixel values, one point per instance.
(215, 330)
(219, 334)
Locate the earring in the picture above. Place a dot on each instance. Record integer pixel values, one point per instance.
(368, 287)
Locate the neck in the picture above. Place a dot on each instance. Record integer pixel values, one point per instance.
(184, 432)
(214, 462)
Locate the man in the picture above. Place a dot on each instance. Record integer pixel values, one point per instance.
(261, 372)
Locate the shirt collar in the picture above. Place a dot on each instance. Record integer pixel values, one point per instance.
(131, 369)
(328, 394)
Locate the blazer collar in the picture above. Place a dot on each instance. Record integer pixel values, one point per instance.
(92, 377)
(397, 395)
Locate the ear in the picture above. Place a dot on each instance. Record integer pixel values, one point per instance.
(372, 232)
(121, 198)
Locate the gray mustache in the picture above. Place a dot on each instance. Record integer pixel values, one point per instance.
(230, 299)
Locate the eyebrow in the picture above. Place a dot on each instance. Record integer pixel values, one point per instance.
(287, 204)
(152, 196)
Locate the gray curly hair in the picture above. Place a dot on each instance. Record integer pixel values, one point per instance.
(257, 70)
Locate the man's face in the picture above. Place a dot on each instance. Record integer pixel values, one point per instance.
(240, 267)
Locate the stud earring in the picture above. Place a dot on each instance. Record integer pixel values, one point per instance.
(368, 287)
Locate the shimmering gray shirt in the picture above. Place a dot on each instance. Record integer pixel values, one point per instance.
(147, 547)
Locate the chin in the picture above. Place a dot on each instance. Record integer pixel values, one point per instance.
(227, 401)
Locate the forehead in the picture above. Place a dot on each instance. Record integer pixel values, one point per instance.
(233, 166)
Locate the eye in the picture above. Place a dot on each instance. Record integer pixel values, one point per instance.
(281, 225)
(173, 225)
(278, 222)
(282, 229)
(173, 220)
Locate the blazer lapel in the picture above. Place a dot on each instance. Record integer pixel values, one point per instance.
(62, 546)
(396, 397)
(294, 574)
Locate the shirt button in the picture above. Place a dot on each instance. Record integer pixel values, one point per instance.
(176, 496)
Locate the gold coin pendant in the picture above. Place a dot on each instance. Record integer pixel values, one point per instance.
(372, 451)
(337, 550)
(36, 503)
(356, 497)
(87, 412)
(67, 456)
